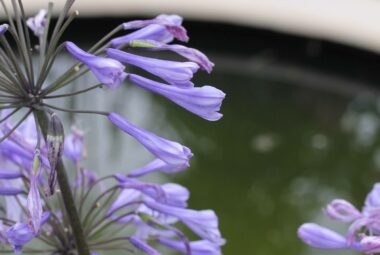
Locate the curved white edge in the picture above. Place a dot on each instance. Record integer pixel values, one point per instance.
(352, 22)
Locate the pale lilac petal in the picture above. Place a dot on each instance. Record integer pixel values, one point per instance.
(176, 73)
(7, 174)
(203, 223)
(3, 28)
(191, 54)
(18, 235)
(157, 165)
(171, 152)
(108, 71)
(204, 101)
(142, 246)
(10, 191)
(155, 32)
(370, 244)
(38, 23)
(34, 205)
(74, 145)
(202, 247)
(320, 237)
(372, 201)
(342, 210)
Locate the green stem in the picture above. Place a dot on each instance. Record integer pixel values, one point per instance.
(71, 210)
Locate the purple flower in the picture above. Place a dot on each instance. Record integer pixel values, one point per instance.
(204, 101)
(125, 198)
(203, 223)
(10, 191)
(320, 237)
(170, 152)
(34, 206)
(370, 244)
(18, 235)
(9, 174)
(74, 148)
(108, 71)
(202, 247)
(342, 210)
(153, 31)
(191, 54)
(38, 23)
(176, 73)
(142, 246)
(372, 201)
(3, 28)
(156, 165)
(169, 193)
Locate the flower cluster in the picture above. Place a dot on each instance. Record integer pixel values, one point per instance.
(110, 204)
(363, 234)
(89, 208)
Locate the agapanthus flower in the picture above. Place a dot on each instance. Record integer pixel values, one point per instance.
(176, 73)
(190, 54)
(171, 152)
(108, 71)
(38, 23)
(34, 149)
(362, 233)
(204, 101)
(152, 31)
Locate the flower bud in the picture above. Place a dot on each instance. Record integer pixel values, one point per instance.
(54, 143)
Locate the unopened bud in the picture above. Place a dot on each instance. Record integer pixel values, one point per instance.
(55, 142)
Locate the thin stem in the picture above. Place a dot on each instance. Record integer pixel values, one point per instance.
(24, 48)
(82, 202)
(75, 93)
(28, 43)
(75, 111)
(15, 126)
(105, 39)
(9, 115)
(71, 210)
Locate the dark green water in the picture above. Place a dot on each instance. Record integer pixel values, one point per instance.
(277, 157)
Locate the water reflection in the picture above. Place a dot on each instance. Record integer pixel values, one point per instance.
(277, 157)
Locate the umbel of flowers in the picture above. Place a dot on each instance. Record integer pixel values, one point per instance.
(40, 210)
(363, 233)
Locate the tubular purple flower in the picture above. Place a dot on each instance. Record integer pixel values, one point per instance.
(202, 247)
(74, 148)
(169, 193)
(176, 73)
(3, 28)
(108, 71)
(191, 54)
(142, 246)
(372, 201)
(172, 27)
(170, 152)
(34, 206)
(10, 191)
(320, 237)
(342, 210)
(151, 32)
(38, 23)
(9, 174)
(203, 223)
(156, 165)
(205, 101)
(18, 235)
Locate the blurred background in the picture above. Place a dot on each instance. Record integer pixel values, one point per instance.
(302, 113)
